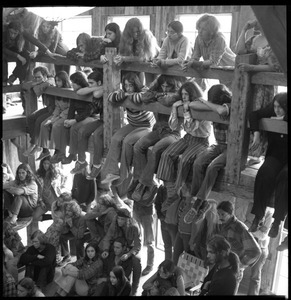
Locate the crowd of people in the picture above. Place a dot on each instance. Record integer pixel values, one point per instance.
(106, 228)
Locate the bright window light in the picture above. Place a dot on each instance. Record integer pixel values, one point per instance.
(121, 21)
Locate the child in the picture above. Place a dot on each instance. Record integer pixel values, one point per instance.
(53, 134)
(95, 81)
(139, 123)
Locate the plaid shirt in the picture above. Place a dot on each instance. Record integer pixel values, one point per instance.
(241, 241)
(9, 285)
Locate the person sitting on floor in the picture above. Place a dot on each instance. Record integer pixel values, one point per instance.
(39, 260)
(167, 277)
(27, 288)
(82, 274)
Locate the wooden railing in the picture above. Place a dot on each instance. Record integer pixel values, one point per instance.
(231, 178)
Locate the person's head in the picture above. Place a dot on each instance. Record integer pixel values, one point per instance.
(112, 32)
(46, 168)
(219, 251)
(133, 29)
(189, 91)
(219, 94)
(166, 268)
(64, 197)
(79, 80)
(14, 29)
(119, 246)
(26, 287)
(38, 239)
(105, 201)
(23, 174)
(225, 210)
(280, 104)
(41, 73)
(95, 78)
(82, 41)
(175, 30)
(8, 230)
(169, 83)
(117, 276)
(62, 80)
(73, 209)
(131, 83)
(91, 251)
(123, 216)
(208, 26)
(48, 26)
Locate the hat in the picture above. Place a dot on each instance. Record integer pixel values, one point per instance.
(123, 212)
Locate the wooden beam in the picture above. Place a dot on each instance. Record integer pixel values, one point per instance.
(269, 78)
(13, 127)
(66, 93)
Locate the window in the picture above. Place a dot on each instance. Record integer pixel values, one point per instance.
(121, 20)
(72, 27)
(189, 24)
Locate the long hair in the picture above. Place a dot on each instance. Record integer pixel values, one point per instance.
(107, 200)
(29, 176)
(219, 94)
(167, 265)
(40, 236)
(212, 24)
(64, 77)
(281, 98)
(132, 78)
(192, 88)
(146, 46)
(218, 243)
(17, 26)
(93, 245)
(43, 70)
(74, 207)
(79, 78)
(83, 38)
(118, 271)
(175, 82)
(51, 173)
(114, 28)
(46, 38)
(29, 285)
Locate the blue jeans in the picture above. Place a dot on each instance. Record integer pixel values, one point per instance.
(205, 170)
(256, 273)
(121, 150)
(169, 232)
(181, 244)
(146, 162)
(146, 224)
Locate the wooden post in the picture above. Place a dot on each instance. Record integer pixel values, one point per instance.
(238, 133)
(111, 82)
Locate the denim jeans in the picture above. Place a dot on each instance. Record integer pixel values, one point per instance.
(146, 224)
(64, 238)
(121, 150)
(181, 244)
(146, 162)
(205, 170)
(169, 232)
(76, 134)
(60, 136)
(256, 273)
(98, 143)
(85, 133)
(136, 273)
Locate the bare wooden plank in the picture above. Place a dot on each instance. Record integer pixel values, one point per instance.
(13, 127)
(274, 125)
(269, 78)
(67, 93)
(11, 88)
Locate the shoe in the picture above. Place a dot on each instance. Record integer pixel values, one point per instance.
(79, 167)
(109, 178)
(43, 154)
(146, 270)
(274, 230)
(150, 192)
(138, 192)
(94, 173)
(66, 259)
(69, 159)
(255, 224)
(132, 188)
(56, 158)
(11, 79)
(204, 208)
(284, 245)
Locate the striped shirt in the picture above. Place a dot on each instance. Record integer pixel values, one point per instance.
(137, 118)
